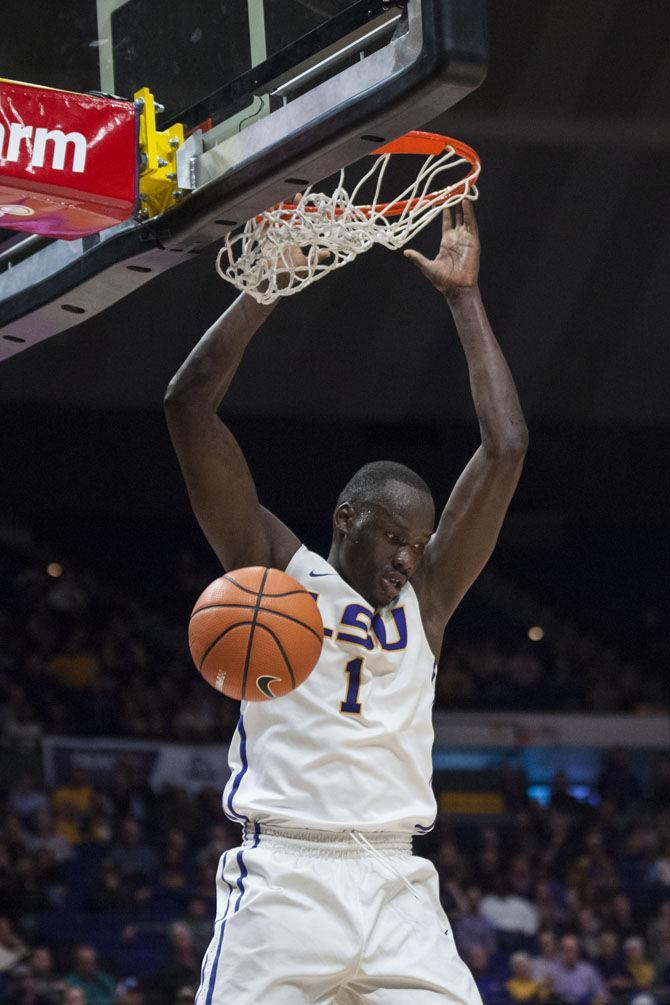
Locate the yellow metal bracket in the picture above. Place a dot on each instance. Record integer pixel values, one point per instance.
(159, 190)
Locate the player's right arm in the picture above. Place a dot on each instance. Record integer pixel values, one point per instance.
(220, 487)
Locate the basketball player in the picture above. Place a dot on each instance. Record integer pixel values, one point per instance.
(323, 902)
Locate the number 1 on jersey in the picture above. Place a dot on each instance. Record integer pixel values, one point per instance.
(350, 705)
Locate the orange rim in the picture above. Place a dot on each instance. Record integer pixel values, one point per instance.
(416, 142)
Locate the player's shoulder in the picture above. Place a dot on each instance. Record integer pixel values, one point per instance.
(308, 563)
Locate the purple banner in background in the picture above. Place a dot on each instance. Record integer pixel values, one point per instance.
(163, 764)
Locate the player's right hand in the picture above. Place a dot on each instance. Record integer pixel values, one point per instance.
(297, 258)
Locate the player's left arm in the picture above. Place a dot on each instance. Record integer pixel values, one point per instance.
(469, 526)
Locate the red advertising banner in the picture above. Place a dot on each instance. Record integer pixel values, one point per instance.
(68, 162)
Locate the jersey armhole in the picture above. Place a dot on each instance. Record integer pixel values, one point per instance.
(422, 619)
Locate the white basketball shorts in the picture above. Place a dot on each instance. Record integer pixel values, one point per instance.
(314, 918)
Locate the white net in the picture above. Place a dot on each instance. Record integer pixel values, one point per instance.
(259, 260)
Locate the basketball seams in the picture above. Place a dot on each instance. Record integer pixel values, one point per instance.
(254, 593)
(281, 650)
(238, 624)
(252, 629)
(265, 610)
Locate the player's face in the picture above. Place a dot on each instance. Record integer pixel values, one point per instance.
(382, 544)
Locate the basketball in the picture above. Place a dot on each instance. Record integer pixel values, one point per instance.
(255, 634)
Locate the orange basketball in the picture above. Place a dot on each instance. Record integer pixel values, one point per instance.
(255, 633)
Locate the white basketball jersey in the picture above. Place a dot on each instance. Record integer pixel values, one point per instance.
(350, 749)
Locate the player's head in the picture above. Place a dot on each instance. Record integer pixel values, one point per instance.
(382, 522)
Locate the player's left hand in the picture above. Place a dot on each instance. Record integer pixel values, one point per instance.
(456, 266)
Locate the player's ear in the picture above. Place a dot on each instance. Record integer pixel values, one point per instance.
(343, 517)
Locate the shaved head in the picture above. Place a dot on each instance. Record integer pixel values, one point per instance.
(382, 482)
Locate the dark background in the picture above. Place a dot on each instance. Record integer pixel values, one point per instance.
(572, 126)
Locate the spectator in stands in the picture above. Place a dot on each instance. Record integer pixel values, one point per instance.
(621, 915)
(550, 902)
(557, 849)
(12, 948)
(136, 861)
(22, 989)
(541, 965)
(639, 967)
(96, 985)
(110, 892)
(199, 921)
(521, 876)
(178, 811)
(489, 978)
(21, 730)
(129, 992)
(205, 878)
(660, 786)
(77, 665)
(658, 934)
(45, 838)
(658, 874)
(488, 869)
(185, 994)
(574, 980)
(472, 928)
(8, 891)
(611, 964)
(73, 804)
(634, 860)
(74, 996)
(26, 798)
(173, 870)
(594, 871)
(182, 966)
(14, 835)
(47, 983)
(521, 986)
(589, 927)
(451, 869)
(220, 838)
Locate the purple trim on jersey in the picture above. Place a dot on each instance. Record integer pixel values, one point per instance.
(239, 817)
(215, 964)
(257, 834)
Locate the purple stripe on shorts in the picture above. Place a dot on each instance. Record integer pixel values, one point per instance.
(240, 880)
(215, 965)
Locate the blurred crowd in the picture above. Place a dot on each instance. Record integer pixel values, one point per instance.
(107, 893)
(107, 890)
(81, 656)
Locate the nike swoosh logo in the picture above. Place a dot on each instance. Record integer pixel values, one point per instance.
(315, 574)
(263, 685)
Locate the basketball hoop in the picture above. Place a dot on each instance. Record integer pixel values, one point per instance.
(257, 259)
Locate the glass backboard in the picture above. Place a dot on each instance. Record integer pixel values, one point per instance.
(276, 94)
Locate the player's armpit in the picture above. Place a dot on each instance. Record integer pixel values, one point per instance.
(466, 534)
(283, 542)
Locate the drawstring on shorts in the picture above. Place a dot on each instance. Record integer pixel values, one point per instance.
(378, 845)
(367, 846)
